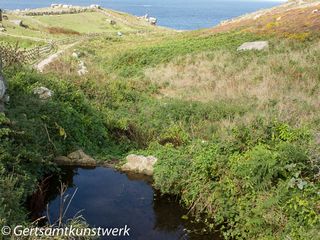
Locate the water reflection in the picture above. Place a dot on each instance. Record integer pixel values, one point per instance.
(112, 199)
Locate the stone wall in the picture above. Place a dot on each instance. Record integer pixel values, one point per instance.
(59, 12)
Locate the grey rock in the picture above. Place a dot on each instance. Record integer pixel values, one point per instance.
(94, 6)
(43, 93)
(3, 96)
(82, 69)
(81, 158)
(75, 55)
(153, 21)
(258, 45)
(112, 22)
(3, 87)
(17, 22)
(140, 164)
(54, 5)
(77, 158)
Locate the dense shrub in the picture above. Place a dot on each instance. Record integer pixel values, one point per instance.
(263, 188)
(131, 63)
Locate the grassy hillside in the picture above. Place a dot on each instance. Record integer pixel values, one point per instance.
(45, 28)
(236, 133)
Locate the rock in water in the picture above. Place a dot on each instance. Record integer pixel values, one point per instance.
(140, 164)
(82, 159)
(258, 45)
(77, 158)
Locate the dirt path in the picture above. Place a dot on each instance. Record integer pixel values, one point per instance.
(45, 62)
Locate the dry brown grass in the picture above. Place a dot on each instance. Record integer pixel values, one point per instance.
(282, 81)
(59, 30)
(292, 22)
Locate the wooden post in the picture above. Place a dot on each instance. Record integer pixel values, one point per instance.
(0, 15)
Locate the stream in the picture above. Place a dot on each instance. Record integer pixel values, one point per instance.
(108, 198)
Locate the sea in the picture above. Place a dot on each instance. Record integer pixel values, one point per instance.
(177, 14)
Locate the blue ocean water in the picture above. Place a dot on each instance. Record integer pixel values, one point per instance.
(178, 14)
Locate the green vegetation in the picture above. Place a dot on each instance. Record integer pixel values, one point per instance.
(133, 62)
(260, 183)
(83, 22)
(236, 133)
(32, 136)
(22, 43)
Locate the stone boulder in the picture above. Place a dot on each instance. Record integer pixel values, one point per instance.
(258, 45)
(17, 22)
(77, 158)
(153, 21)
(82, 69)
(3, 89)
(75, 55)
(140, 164)
(95, 6)
(43, 93)
(66, 6)
(112, 22)
(55, 5)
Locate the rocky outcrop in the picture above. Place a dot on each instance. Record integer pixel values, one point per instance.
(151, 20)
(77, 158)
(140, 164)
(258, 45)
(43, 93)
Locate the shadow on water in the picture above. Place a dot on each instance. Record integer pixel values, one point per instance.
(108, 198)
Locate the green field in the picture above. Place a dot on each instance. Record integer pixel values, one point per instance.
(53, 27)
(82, 22)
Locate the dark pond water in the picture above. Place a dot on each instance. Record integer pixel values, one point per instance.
(107, 198)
